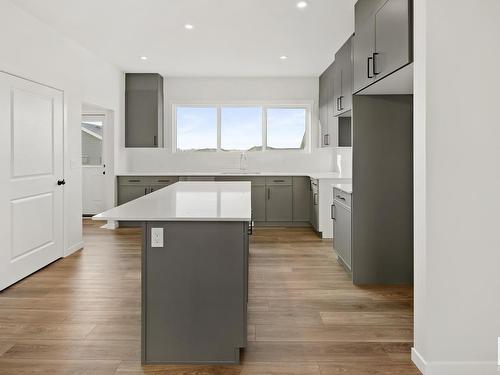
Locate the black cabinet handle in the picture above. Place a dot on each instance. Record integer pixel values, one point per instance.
(340, 197)
(375, 54)
(279, 180)
(368, 67)
(154, 141)
(340, 103)
(268, 193)
(61, 182)
(134, 180)
(326, 139)
(332, 212)
(145, 191)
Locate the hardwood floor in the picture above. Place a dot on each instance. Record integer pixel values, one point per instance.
(81, 315)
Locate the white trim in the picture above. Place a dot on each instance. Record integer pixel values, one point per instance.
(418, 360)
(73, 248)
(308, 105)
(111, 225)
(453, 367)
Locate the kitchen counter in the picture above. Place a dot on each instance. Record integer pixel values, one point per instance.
(346, 188)
(194, 272)
(188, 201)
(315, 175)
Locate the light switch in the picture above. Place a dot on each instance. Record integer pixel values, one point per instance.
(156, 237)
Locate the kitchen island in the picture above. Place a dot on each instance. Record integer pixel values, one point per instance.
(194, 270)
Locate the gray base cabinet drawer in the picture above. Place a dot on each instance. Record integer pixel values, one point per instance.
(279, 181)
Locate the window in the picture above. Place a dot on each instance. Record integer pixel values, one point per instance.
(196, 128)
(92, 131)
(286, 128)
(240, 128)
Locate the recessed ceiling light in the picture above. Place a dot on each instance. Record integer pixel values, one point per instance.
(302, 4)
(283, 57)
(144, 58)
(188, 26)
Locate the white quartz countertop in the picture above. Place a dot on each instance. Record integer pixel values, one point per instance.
(188, 201)
(347, 188)
(316, 175)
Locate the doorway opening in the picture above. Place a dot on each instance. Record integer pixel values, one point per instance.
(98, 191)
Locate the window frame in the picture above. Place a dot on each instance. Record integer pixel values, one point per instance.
(307, 105)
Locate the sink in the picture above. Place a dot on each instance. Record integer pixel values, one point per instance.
(240, 172)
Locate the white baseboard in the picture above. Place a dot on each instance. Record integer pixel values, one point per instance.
(111, 224)
(73, 248)
(453, 368)
(419, 361)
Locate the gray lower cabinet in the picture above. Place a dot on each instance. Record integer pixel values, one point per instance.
(314, 207)
(342, 237)
(301, 199)
(143, 110)
(195, 289)
(130, 188)
(382, 42)
(283, 199)
(259, 202)
(279, 199)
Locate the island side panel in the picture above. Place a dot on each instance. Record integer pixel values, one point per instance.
(195, 292)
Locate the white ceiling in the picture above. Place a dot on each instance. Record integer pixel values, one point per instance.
(243, 38)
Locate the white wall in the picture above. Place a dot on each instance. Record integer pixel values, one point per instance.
(31, 49)
(457, 186)
(234, 90)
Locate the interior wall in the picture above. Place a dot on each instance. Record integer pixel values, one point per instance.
(32, 50)
(233, 90)
(457, 247)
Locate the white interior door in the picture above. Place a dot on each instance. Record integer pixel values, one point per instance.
(93, 165)
(31, 163)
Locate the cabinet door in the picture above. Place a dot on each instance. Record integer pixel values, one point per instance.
(392, 37)
(346, 58)
(363, 49)
(301, 194)
(337, 86)
(126, 193)
(279, 203)
(259, 202)
(143, 109)
(323, 108)
(314, 208)
(342, 239)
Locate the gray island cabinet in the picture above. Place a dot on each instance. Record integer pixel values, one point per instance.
(194, 270)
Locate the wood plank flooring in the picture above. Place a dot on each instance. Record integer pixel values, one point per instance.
(81, 315)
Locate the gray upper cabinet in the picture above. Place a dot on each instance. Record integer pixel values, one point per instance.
(342, 79)
(382, 42)
(143, 110)
(328, 123)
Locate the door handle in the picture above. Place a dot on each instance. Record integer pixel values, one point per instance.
(340, 103)
(368, 67)
(374, 62)
(326, 139)
(61, 182)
